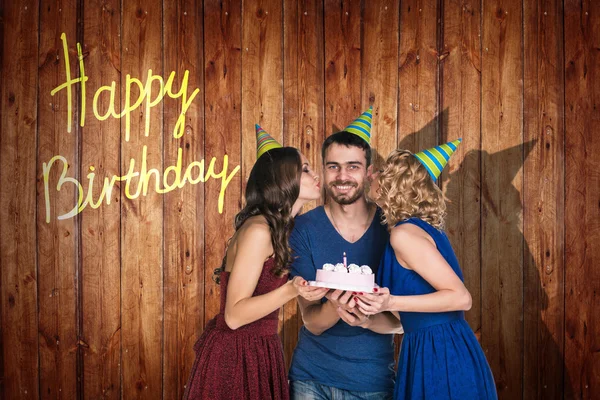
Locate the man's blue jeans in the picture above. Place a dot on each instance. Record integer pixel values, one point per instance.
(310, 390)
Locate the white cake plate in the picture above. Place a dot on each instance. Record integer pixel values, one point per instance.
(329, 285)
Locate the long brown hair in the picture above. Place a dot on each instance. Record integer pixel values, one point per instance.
(271, 191)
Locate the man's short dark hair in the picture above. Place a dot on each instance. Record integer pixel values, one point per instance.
(347, 139)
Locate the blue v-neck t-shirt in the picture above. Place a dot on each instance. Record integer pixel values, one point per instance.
(344, 356)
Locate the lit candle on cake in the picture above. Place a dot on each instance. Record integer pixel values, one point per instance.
(345, 261)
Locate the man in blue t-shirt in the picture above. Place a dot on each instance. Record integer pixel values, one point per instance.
(341, 353)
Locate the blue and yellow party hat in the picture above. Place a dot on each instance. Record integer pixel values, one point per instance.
(361, 126)
(436, 158)
(264, 142)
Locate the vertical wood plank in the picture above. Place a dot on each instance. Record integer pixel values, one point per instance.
(460, 100)
(502, 182)
(582, 208)
(418, 75)
(262, 76)
(543, 267)
(380, 74)
(223, 97)
(57, 240)
(184, 208)
(303, 71)
(18, 208)
(303, 107)
(262, 80)
(100, 228)
(142, 217)
(2, 392)
(342, 63)
(418, 70)
(380, 78)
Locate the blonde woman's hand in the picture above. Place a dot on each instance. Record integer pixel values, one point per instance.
(310, 293)
(373, 303)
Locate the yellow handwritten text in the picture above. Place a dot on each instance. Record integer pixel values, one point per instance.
(147, 92)
(70, 82)
(173, 178)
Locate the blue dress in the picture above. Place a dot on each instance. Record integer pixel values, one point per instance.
(440, 357)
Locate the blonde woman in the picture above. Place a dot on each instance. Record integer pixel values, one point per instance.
(440, 356)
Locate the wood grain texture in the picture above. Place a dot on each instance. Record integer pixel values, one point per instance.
(2, 392)
(342, 63)
(57, 240)
(262, 81)
(100, 228)
(184, 208)
(223, 97)
(303, 107)
(262, 78)
(502, 183)
(380, 79)
(460, 102)
(543, 191)
(379, 75)
(142, 218)
(582, 200)
(418, 74)
(18, 209)
(109, 303)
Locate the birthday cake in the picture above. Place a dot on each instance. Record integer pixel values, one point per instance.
(345, 277)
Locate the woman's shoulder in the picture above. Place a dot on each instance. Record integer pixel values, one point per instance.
(255, 223)
(423, 224)
(407, 228)
(253, 236)
(256, 228)
(408, 233)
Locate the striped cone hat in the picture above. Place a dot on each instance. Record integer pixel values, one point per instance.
(361, 126)
(264, 142)
(436, 158)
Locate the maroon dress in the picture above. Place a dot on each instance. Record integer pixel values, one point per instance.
(246, 363)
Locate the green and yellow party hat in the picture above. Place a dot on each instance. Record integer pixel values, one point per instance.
(361, 126)
(264, 142)
(436, 158)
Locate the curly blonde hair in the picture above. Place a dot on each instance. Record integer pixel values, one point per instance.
(406, 191)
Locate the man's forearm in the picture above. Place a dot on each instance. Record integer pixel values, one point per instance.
(384, 323)
(319, 317)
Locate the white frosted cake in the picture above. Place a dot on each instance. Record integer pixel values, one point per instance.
(353, 277)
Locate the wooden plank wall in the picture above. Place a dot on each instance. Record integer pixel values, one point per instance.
(184, 209)
(107, 303)
(582, 194)
(100, 232)
(303, 106)
(502, 181)
(57, 247)
(21, 353)
(544, 201)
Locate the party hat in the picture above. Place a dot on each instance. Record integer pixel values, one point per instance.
(361, 126)
(436, 158)
(264, 142)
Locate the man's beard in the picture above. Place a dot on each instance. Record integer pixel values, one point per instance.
(345, 199)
